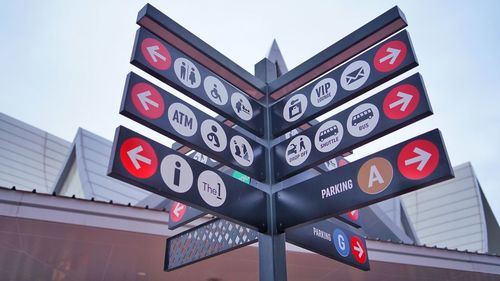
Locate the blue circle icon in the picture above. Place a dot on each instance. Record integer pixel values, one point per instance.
(341, 242)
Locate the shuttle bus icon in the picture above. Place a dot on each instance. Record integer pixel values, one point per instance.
(328, 132)
(360, 117)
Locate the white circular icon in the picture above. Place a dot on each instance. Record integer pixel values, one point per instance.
(328, 136)
(215, 90)
(242, 106)
(323, 92)
(241, 150)
(331, 164)
(362, 120)
(298, 150)
(211, 188)
(182, 119)
(187, 73)
(295, 107)
(176, 173)
(355, 75)
(213, 135)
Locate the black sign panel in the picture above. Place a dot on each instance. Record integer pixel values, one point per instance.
(181, 214)
(163, 112)
(405, 167)
(333, 239)
(389, 110)
(366, 71)
(183, 73)
(151, 166)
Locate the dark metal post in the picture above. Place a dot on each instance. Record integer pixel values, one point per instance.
(272, 252)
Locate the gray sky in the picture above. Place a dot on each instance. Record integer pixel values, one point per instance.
(64, 62)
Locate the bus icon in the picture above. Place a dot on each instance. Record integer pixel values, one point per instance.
(360, 117)
(328, 132)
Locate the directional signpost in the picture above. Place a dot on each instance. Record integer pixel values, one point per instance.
(405, 167)
(361, 74)
(170, 65)
(177, 119)
(181, 214)
(151, 166)
(391, 109)
(334, 239)
(317, 212)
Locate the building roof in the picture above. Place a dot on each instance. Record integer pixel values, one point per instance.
(44, 235)
(29, 157)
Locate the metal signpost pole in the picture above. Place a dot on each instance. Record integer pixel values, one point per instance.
(272, 251)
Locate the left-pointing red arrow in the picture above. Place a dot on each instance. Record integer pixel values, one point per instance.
(156, 54)
(138, 158)
(177, 211)
(147, 100)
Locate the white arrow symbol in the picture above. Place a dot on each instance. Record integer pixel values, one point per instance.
(405, 100)
(134, 156)
(178, 207)
(143, 97)
(358, 248)
(423, 157)
(393, 55)
(154, 54)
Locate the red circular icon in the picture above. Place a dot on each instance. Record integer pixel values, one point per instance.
(342, 162)
(156, 54)
(390, 56)
(401, 101)
(177, 211)
(147, 100)
(138, 157)
(418, 159)
(358, 249)
(353, 215)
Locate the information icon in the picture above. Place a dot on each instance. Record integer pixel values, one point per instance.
(176, 173)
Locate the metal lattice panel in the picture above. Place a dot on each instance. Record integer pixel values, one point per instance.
(207, 240)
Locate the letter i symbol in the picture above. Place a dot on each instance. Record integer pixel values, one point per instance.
(177, 173)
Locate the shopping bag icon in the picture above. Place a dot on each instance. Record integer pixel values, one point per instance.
(295, 108)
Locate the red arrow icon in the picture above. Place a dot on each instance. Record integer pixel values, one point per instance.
(418, 159)
(138, 158)
(147, 100)
(401, 101)
(177, 211)
(358, 249)
(156, 54)
(390, 56)
(353, 215)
